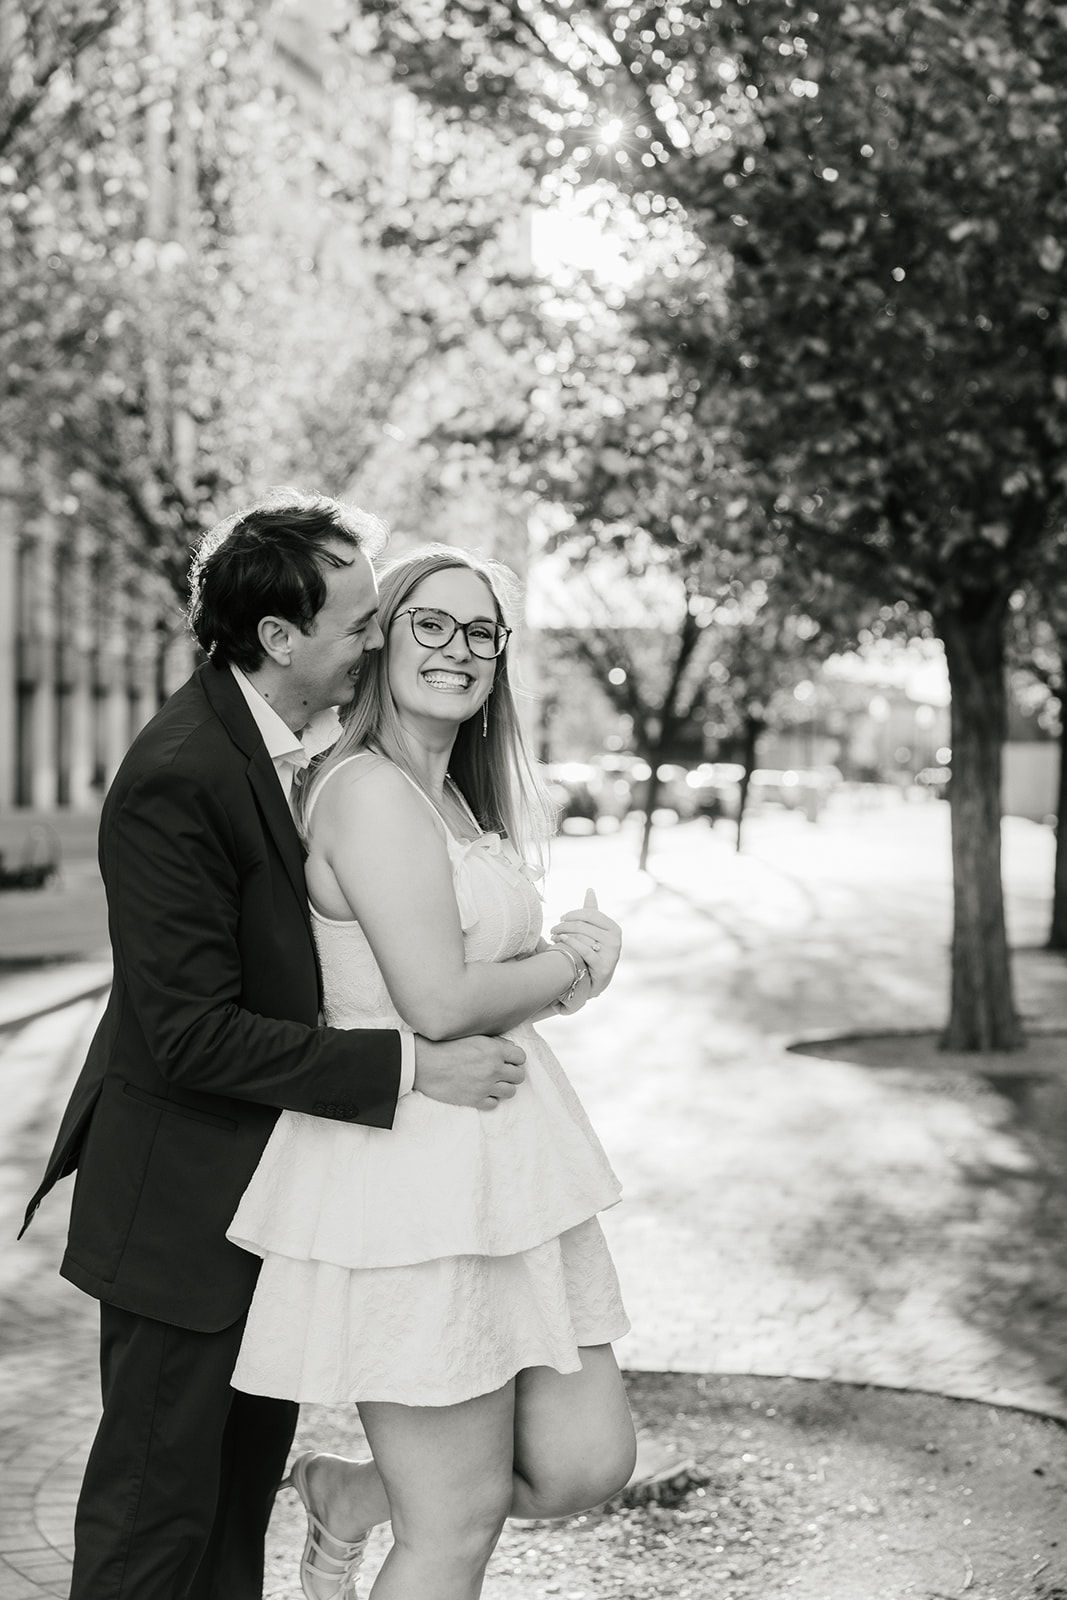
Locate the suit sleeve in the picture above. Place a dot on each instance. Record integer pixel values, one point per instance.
(184, 881)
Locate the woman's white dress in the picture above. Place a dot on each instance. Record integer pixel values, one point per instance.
(430, 1262)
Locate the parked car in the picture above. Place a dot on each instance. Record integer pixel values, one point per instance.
(672, 789)
(587, 792)
(801, 789)
(716, 788)
(38, 861)
(571, 785)
(935, 780)
(768, 786)
(615, 785)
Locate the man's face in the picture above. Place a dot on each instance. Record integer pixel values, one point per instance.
(325, 661)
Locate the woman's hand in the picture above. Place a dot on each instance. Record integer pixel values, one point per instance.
(594, 938)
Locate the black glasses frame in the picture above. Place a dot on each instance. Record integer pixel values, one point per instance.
(501, 633)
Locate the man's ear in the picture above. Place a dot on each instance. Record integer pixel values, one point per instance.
(275, 635)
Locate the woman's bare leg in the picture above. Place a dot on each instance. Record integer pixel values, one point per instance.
(548, 1444)
(447, 1473)
(574, 1437)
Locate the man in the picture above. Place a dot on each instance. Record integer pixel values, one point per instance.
(212, 1029)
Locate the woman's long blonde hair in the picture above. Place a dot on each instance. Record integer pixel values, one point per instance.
(494, 772)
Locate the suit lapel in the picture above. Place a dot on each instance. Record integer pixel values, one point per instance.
(229, 705)
(279, 820)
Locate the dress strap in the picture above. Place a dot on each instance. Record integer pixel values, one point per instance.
(479, 831)
(438, 818)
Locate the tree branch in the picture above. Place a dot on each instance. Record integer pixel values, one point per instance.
(68, 45)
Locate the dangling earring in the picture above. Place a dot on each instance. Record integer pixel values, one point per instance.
(485, 719)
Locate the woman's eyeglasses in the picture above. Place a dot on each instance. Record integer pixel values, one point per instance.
(432, 629)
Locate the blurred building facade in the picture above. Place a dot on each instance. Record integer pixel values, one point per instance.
(87, 651)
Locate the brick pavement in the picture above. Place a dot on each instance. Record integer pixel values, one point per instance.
(783, 1213)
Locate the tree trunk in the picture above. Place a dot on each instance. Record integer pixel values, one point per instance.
(982, 1015)
(651, 796)
(1057, 937)
(751, 730)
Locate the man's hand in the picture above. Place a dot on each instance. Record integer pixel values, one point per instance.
(474, 1072)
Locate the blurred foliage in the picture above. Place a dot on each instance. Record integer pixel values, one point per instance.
(212, 284)
(643, 455)
(652, 573)
(1037, 655)
(110, 317)
(1038, 660)
(40, 41)
(879, 188)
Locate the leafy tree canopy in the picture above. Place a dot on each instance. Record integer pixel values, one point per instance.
(884, 183)
(213, 286)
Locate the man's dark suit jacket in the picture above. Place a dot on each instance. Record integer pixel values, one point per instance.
(210, 1029)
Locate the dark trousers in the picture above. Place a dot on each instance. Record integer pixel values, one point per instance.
(183, 1471)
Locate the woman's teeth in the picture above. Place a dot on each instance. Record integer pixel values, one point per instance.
(448, 680)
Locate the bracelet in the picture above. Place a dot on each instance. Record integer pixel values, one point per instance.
(580, 971)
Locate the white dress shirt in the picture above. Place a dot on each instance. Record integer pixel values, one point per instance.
(291, 753)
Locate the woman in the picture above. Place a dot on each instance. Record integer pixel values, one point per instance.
(448, 1275)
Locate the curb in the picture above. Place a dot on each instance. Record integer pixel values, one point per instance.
(16, 1016)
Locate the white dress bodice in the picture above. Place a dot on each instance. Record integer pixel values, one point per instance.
(499, 911)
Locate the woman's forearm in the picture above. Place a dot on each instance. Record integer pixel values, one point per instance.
(489, 997)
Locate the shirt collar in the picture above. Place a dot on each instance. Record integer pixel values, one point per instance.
(321, 731)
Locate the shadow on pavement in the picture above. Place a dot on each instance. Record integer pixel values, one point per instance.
(999, 1246)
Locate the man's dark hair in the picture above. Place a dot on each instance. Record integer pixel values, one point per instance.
(270, 561)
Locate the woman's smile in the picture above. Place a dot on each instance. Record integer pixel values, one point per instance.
(449, 680)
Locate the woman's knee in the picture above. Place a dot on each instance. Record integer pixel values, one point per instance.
(574, 1441)
(619, 1467)
(581, 1485)
(612, 1471)
(464, 1533)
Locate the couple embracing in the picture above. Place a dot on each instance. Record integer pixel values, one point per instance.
(322, 1153)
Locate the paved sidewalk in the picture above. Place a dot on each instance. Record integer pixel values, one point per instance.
(53, 941)
(27, 993)
(808, 1215)
(67, 919)
(784, 1214)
